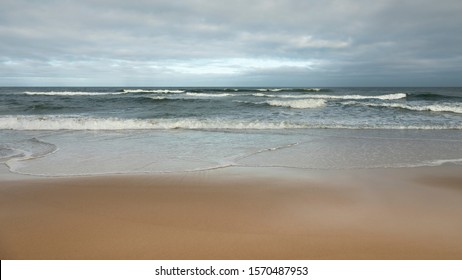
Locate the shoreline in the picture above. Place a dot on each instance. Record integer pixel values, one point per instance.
(236, 213)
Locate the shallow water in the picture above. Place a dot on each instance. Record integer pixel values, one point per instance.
(74, 152)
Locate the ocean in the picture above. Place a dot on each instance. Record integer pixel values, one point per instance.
(64, 131)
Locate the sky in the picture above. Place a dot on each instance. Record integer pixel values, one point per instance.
(231, 43)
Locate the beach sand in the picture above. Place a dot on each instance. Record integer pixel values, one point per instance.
(236, 213)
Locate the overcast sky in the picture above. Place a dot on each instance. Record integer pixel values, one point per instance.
(231, 43)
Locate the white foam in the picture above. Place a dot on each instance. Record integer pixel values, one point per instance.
(437, 162)
(91, 123)
(70, 93)
(451, 108)
(276, 96)
(270, 89)
(50, 122)
(260, 94)
(444, 108)
(157, 97)
(312, 89)
(440, 162)
(298, 104)
(197, 94)
(153, 91)
(393, 96)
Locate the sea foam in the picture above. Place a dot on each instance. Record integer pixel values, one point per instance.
(91, 123)
(298, 104)
(153, 91)
(270, 89)
(450, 108)
(393, 96)
(198, 94)
(55, 122)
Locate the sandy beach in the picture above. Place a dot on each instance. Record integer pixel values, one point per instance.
(236, 213)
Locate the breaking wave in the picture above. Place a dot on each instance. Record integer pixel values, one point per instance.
(56, 122)
(152, 91)
(197, 94)
(291, 89)
(298, 104)
(453, 108)
(91, 123)
(270, 89)
(393, 96)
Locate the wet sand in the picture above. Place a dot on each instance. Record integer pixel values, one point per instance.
(237, 213)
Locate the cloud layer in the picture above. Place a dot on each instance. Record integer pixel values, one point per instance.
(239, 43)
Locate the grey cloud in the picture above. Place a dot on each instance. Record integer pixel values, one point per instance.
(357, 41)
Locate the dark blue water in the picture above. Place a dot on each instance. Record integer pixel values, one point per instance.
(81, 131)
(229, 108)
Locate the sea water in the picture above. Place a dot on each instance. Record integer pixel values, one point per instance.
(80, 131)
